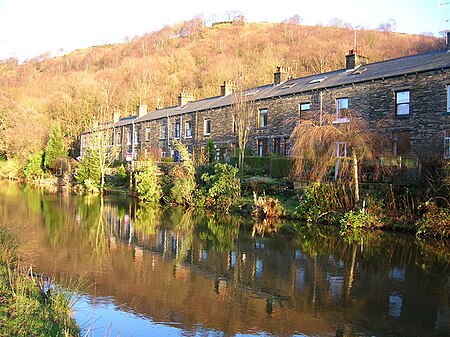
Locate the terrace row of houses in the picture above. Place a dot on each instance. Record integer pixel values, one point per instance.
(406, 99)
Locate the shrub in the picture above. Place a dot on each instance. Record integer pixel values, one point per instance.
(281, 167)
(33, 167)
(321, 202)
(10, 169)
(148, 185)
(88, 172)
(221, 187)
(266, 207)
(434, 222)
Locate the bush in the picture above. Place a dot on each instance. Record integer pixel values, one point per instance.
(148, 185)
(434, 222)
(281, 167)
(10, 169)
(221, 187)
(266, 207)
(88, 172)
(33, 167)
(322, 203)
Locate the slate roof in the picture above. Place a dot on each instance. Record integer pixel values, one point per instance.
(430, 61)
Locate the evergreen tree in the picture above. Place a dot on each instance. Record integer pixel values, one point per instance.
(55, 147)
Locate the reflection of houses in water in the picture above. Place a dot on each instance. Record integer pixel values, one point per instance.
(281, 277)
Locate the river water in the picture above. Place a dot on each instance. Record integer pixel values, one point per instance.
(138, 271)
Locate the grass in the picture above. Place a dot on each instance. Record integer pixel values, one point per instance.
(28, 306)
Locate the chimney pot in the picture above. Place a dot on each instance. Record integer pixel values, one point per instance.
(185, 98)
(227, 88)
(282, 74)
(141, 110)
(354, 58)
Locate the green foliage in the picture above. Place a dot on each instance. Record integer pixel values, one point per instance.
(211, 151)
(10, 169)
(148, 184)
(27, 308)
(89, 172)
(180, 183)
(221, 187)
(321, 203)
(33, 167)
(258, 163)
(355, 220)
(122, 174)
(281, 167)
(55, 147)
(434, 222)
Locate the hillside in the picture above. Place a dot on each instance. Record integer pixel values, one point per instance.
(153, 69)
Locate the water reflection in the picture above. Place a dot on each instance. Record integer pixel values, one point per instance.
(182, 272)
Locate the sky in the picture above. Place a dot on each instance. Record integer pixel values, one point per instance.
(29, 28)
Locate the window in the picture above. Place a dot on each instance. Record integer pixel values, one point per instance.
(162, 131)
(402, 102)
(341, 110)
(448, 98)
(447, 144)
(188, 129)
(277, 145)
(341, 150)
(147, 133)
(401, 143)
(177, 131)
(234, 121)
(262, 147)
(263, 122)
(207, 126)
(303, 107)
(286, 149)
(118, 137)
(129, 137)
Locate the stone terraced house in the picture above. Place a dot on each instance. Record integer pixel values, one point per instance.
(406, 99)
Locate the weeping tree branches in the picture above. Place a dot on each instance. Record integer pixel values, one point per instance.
(332, 148)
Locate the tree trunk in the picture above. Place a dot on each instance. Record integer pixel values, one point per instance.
(356, 177)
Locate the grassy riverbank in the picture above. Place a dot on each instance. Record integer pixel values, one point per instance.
(27, 307)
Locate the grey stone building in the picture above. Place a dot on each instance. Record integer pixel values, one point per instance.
(406, 99)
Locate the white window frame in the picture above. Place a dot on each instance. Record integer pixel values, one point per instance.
(129, 136)
(206, 127)
(162, 131)
(177, 129)
(147, 133)
(303, 107)
(448, 98)
(342, 104)
(447, 144)
(263, 120)
(188, 130)
(402, 103)
(342, 150)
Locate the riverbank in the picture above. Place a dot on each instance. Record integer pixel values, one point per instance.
(29, 306)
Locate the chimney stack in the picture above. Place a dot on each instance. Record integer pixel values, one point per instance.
(282, 74)
(227, 88)
(116, 117)
(185, 98)
(141, 110)
(354, 59)
(448, 40)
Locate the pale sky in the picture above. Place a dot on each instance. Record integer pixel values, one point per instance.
(29, 28)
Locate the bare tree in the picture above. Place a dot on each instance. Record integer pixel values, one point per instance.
(244, 116)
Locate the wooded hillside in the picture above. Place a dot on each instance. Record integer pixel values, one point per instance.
(153, 69)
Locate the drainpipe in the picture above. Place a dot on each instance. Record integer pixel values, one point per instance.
(321, 107)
